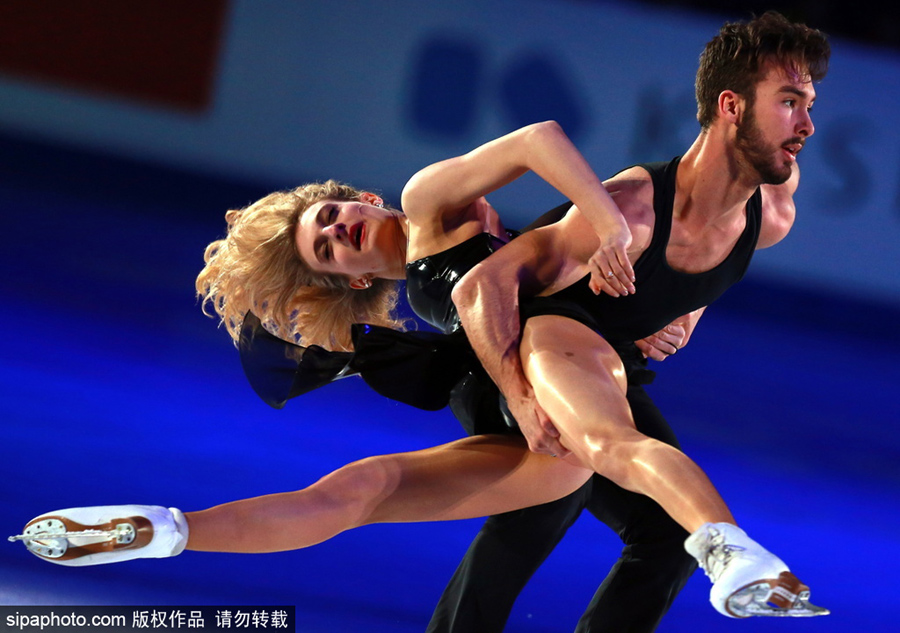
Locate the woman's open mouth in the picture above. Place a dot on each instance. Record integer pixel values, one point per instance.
(357, 232)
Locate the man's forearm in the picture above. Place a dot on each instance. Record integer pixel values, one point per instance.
(488, 307)
(487, 300)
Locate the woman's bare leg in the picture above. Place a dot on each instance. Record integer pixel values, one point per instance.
(578, 381)
(473, 477)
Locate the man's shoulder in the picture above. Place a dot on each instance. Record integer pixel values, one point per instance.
(632, 183)
(632, 189)
(778, 213)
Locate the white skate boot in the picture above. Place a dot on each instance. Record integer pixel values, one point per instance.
(105, 534)
(747, 579)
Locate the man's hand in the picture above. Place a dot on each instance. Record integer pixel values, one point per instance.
(664, 343)
(540, 433)
(671, 338)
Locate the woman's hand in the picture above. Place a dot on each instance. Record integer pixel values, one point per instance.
(611, 269)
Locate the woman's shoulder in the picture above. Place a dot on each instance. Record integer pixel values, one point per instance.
(457, 252)
(430, 235)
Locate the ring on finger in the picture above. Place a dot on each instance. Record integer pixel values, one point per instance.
(609, 274)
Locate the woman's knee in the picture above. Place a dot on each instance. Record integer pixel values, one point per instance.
(614, 452)
(358, 488)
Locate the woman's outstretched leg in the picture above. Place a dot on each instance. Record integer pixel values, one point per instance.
(468, 478)
(473, 477)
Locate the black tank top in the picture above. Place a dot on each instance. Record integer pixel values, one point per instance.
(664, 294)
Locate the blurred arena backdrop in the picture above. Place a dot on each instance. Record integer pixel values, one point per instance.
(127, 130)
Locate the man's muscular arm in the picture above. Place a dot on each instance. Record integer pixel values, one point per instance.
(487, 300)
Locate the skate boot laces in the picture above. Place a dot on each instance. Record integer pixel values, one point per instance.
(718, 554)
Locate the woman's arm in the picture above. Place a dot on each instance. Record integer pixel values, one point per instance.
(439, 192)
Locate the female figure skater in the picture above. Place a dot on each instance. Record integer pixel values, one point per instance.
(314, 260)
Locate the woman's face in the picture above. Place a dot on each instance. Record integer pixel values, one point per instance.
(355, 239)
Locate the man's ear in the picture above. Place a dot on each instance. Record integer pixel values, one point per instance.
(371, 198)
(731, 106)
(361, 283)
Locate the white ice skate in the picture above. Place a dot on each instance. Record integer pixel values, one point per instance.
(747, 579)
(105, 534)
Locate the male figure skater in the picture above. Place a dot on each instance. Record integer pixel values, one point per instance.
(754, 92)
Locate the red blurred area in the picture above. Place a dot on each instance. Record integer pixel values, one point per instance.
(161, 52)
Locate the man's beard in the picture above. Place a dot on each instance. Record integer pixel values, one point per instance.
(759, 155)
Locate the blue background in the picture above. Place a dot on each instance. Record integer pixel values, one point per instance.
(116, 389)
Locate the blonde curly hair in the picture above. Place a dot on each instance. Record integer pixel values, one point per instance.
(256, 267)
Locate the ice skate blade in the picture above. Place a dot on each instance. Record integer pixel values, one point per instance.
(58, 538)
(785, 597)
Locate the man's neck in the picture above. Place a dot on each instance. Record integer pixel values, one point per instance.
(710, 184)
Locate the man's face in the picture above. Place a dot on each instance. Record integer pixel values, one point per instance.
(774, 129)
